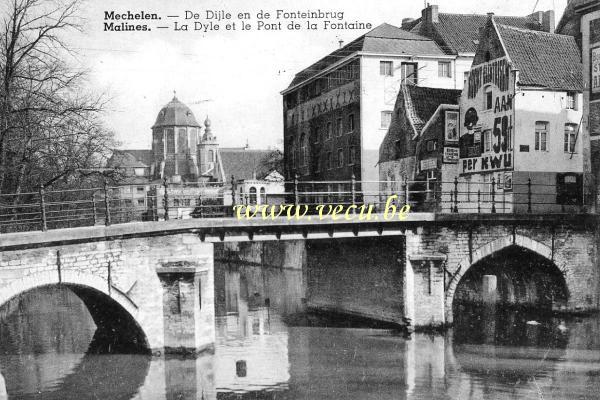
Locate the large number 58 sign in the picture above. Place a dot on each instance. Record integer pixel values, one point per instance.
(501, 134)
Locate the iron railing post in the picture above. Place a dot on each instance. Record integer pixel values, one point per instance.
(232, 195)
(455, 194)
(43, 209)
(166, 198)
(353, 191)
(296, 194)
(478, 201)
(94, 221)
(529, 195)
(493, 195)
(106, 204)
(406, 191)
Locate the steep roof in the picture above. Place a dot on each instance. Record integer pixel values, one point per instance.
(419, 105)
(241, 163)
(384, 39)
(459, 33)
(175, 113)
(545, 60)
(130, 159)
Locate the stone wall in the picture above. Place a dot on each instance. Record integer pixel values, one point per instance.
(124, 271)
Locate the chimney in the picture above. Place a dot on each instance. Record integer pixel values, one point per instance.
(406, 22)
(430, 14)
(537, 16)
(548, 21)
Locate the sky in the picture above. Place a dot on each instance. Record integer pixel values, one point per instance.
(234, 77)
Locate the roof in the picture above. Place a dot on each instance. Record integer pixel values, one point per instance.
(459, 33)
(175, 113)
(130, 159)
(241, 163)
(420, 104)
(383, 39)
(545, 60)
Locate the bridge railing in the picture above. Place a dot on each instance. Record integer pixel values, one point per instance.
(51, 209)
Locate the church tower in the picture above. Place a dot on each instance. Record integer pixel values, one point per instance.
(208, 154)
(174, 139)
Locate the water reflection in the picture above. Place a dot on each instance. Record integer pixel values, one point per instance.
(490, 354)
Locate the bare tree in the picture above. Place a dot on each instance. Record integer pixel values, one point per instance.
(50, 124)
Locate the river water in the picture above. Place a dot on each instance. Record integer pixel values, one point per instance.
(262, 353)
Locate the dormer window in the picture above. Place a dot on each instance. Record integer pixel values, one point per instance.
(139, 171)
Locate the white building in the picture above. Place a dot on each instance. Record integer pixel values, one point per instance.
(521, 115)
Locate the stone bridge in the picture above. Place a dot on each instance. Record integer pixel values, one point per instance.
(151, 284)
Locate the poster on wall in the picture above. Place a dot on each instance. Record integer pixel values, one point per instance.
(451, 127)
(451, 155)
(595, 60)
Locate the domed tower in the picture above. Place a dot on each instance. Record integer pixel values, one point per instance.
(208, 153)
(174, 139)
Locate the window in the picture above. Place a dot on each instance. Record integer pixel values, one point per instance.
(328, 160)
(488, 100)
(571, 101)
(385, 68)
(570, 138)
(465, 77)
(444, 69)
(252, 195)
(263, 196)
(139, 171)
(317, 134)
(541, 136)
(432, 145)
(140, 202)
(340, 158)
(386, 119)
(303, 150)
(170, 134)
(328, 133)
(487, 140)
(339, 127)
(351, 155)
(140, 189)
(351, 123)
(317, 164)
(409, 73)
(211, 156)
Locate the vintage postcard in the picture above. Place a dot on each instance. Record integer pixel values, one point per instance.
(299, 199)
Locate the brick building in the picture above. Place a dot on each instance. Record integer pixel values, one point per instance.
(414, 147)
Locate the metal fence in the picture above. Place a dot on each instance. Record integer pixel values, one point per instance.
(46, 209)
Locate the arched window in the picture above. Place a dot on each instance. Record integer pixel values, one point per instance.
(252, 195)
(211, 156)
(304, 149)
(263, 196)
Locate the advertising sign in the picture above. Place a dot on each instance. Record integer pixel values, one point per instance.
(488, 106)
(451, 155)
(451, 127)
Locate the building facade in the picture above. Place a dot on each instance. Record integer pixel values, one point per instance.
(337, 111)
(520, 124)
(186, 155)
(582, 20)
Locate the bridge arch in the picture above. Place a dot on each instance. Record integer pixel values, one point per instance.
(94, 292)
(487, 250)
